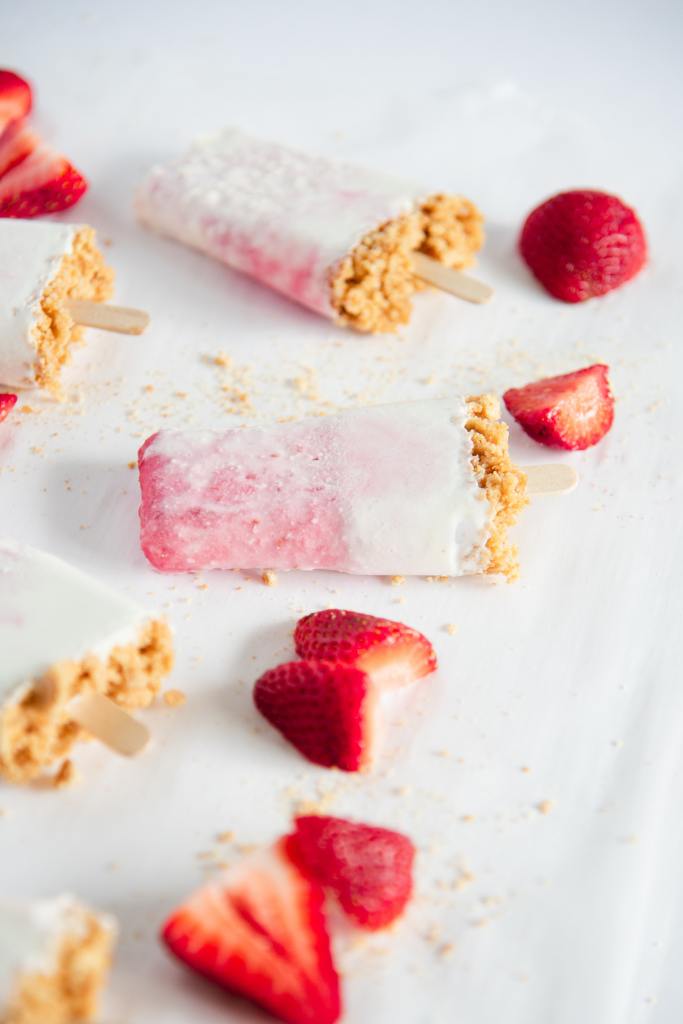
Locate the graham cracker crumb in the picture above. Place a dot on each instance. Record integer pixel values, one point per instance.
(66, 775)
(545, 806)
(82, 274)
(504, 483)
(372, 287)
(222, 359)
(467, 818)
(269, 577)
(397, 581)
(225, 837)
(175, 698)
(132, 464)
(451, 629)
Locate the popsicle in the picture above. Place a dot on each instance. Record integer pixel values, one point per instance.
(415, 488)
(67, 643)
(53, 281)
(55, 957)
(335, 237)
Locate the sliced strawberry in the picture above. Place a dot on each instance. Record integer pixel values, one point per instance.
(7, 403)
(369, 869)
(43, 182)
(16, 143)
(391, 653)
(572, 411)
(15, 98)
(322, 708)
(259, 931)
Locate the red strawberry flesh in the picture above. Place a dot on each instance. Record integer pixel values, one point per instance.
(259, 932)
(369, 869)
(582, 244)
(572, 411)
(322, 708)
(15, 98)
(391, 653)
(7, 403)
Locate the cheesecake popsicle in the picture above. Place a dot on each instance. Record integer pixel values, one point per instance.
(415, 488)
(55, 957)
(332, 236)
(43, 264)
(64, 635)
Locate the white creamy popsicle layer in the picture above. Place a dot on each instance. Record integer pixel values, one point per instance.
(417, 488)
(332, 236)
(43, 264)
(54, 960)
(63, 634)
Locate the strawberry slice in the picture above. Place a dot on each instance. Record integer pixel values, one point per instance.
(391, 653)
(15, 98)
(572, 411)
(7, 403)
(42, 182)
(369, 869)
(259, 931)
(16, 143)
(322, 708)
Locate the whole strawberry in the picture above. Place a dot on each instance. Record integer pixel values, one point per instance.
(582, 244)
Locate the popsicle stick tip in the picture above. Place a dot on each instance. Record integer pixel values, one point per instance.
(448, 280)
(553, 478)
(119, 319)
(110, 724)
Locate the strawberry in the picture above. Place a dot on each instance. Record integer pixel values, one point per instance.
(391, 653)
(322, 708)
(7, 403)
(582, 244)
(258, 930)
(369, 869)
(42, 182)
(15, 98)
(572, 411)
(16, 143)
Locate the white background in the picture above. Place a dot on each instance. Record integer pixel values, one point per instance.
(572, 916)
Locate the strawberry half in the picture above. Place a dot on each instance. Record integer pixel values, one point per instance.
(259, 931)
(391, 653)
(15, 98)
(572, 411)
(582, 244)
(7, 403)
(41, 182)
(369, 869)
(322, 708)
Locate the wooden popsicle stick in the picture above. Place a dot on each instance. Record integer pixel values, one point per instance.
(449, 280)
(554, 478)
(110, 724)
(119, 319)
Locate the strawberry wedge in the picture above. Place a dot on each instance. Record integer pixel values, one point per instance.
(7, 403)
(573, 411)
(38, 179)
(369, 869)
(15, 98)
(259, 932)
(389, 652)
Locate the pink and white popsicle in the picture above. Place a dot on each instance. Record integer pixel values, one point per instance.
(412, 488)
(332, 236)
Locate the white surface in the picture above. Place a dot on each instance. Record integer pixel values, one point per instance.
(276, 213)
(30, 255)
(574, 671)
(51, 612)
(330, 492)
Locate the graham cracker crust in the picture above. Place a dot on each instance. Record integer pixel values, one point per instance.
(71, 993)
(82, 274)
(37, 731)
(504, 483)
(372, 287)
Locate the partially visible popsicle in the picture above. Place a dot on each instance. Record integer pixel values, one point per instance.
(416, 488)
(335, 237)
(55, 956)
(43, 264)
(64, 635)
